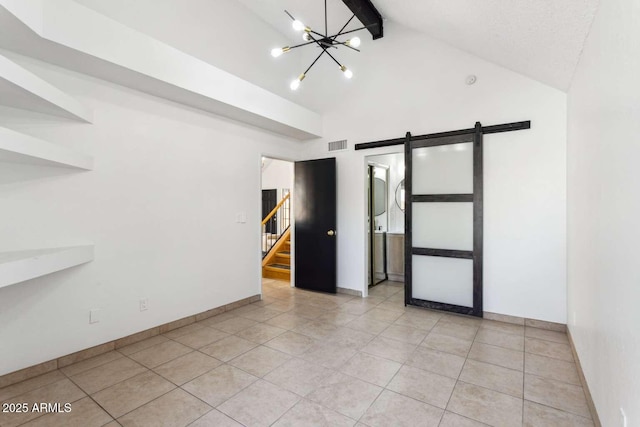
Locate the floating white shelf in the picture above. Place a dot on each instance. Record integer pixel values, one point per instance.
(16, 147)
(16, 267)
(22, 89)
(70, 35)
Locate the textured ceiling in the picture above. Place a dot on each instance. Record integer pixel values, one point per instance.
(541, 39)
(311, 12)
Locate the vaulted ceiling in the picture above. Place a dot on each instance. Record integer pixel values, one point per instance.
(541, 39)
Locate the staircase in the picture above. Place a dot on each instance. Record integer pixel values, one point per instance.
(277, 264)
(276, 248)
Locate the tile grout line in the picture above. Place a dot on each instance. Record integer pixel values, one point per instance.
(90, 397)
(559, 410)
(287, 411)
(553, 379)
(146, 403)
(460, 373)
(371, 404)
(126, 379)
(226, 400)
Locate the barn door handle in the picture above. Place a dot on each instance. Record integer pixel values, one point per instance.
(331, 233)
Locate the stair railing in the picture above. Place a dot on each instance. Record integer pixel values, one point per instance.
(273, 230)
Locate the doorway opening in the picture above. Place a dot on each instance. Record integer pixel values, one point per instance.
(275, 230)
(385, 220)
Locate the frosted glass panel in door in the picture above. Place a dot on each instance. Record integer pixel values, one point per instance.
(443, 225)
(444, 169)
(440, 279)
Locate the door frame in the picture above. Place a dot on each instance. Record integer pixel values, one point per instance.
(371, 165)
(365, 206)
(291, 220)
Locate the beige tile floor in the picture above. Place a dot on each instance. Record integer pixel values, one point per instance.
(300, 358)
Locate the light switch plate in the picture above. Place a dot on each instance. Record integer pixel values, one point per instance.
(94, 315)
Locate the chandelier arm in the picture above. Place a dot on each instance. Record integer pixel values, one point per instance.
(309, 29)
(301, 44)
(346, 45)
(343, 27)
(353, 31)
(314, 61)
(334, 59)
(316, 33)
(316, 41)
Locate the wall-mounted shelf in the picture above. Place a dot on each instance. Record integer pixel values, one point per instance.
(16, 147)
(20, 88)
(19, 266)
(72, 36)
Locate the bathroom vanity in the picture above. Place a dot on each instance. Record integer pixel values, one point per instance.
(395, 256)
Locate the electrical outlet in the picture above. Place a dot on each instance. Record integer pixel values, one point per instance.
(144, 304)
(94, 315)
(624, 418)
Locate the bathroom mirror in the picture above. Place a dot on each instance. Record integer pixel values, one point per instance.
(379, 196)
(400, 195)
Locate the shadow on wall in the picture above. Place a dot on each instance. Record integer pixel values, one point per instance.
(11, 173)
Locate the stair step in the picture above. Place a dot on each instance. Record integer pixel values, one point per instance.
(276, 273)
(284, 254)
(279, 266)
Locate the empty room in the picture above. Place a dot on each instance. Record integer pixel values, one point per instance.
(371, 213)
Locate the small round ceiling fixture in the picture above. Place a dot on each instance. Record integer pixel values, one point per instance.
(471, 79)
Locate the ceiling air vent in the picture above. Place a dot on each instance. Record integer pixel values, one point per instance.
(338, 145)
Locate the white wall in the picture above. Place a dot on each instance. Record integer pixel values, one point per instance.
(409, 82)
(160, 207)
(603, 211)
(277, 174)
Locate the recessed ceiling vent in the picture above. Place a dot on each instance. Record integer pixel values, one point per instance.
(338, 145)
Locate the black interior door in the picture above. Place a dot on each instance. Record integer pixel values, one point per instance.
(315, 225)
(268, 203)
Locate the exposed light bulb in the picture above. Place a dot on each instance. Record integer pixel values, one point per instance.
(279, 51)
(347, 72)
(306, 37)
(354, 42)
(296, 83)
(297, 25)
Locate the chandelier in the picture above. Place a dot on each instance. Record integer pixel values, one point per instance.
(323, 41)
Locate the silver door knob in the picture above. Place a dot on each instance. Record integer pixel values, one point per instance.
(331, 233)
